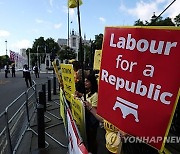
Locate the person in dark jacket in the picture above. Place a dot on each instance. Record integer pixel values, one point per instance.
(27, 76)
(13, 71)
(36, 71)
(6, 69)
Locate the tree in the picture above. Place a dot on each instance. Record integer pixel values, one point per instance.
(38, 51)
(90, 48)
(138, 23)
(4, 60)
(87, 52)
(177, 20)
(41, 47)
(161, 22)
(155, 22)
(51, 45)
(167, 22)
(66, 53)
(98, 41)
(29, 56)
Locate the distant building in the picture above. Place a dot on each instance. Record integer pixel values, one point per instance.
(62, 41)
(23, 53)
(73, 41)
(20, 59)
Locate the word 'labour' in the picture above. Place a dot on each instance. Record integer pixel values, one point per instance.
(142, 45)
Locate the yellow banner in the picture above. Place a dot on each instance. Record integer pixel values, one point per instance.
(56, 71)
(78, 114)
(73, 3)
(97, 59)
(68, 80)
(62, 106)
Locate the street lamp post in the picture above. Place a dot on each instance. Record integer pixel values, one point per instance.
(6, 46)
(29, 59)
(37, 56)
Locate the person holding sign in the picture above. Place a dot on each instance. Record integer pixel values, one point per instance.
(93, 121)
(76, 67)
(79, 83)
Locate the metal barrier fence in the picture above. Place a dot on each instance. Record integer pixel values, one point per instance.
(14, 124)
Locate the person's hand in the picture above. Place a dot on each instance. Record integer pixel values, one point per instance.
(78, 94)
(87, 105)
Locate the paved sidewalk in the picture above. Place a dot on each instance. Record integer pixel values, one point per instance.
(56, 140)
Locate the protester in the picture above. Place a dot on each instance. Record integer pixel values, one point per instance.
(79, 83)
(27, 76)
(36, 71)
(13, 71)
(6, 69)
(94, 122)
(76, 67)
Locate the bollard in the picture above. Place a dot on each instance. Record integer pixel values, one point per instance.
(44, 95)
(54, 85)
(42, 99)
(41, 126)
(49, 90)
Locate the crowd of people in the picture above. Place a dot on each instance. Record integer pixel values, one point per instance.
(86, 84)
(102, 136)
(87, 91)
(26, 73)
(7, 70)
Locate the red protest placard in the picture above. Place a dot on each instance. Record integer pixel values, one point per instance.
(139, 80)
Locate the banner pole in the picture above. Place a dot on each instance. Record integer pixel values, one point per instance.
(164, 10)
(68, 28)
(81, 50)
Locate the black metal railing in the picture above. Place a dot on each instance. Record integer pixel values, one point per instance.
(14, 124)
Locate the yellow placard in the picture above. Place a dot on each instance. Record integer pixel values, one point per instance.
(97, 59)
(68, 80)
(170, 121)
(56, 71)
(62, 106)
(78, 114)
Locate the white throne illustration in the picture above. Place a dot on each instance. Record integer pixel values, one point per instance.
(126, 108)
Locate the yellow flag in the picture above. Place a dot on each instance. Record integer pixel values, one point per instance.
(73, 3)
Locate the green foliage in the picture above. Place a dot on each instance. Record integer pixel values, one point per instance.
(156, 22)
(4, 60)
(45, 46)
(89, 50)
(66, 53)
(161, 22)
(139, 23)
(41, 47)
(98, 41)
(177, 20)
(51, 46)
